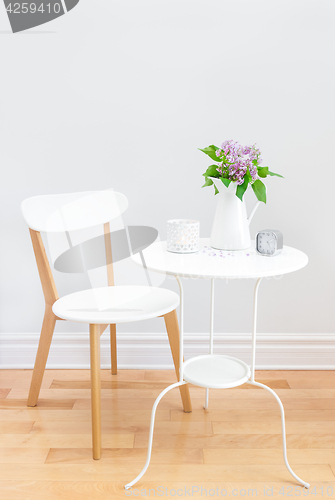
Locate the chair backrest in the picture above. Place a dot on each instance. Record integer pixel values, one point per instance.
(62, 213)
(72, 211)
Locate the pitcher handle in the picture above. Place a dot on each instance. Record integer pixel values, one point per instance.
(253, 211)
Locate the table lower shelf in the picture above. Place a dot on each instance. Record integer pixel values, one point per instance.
(216, 371)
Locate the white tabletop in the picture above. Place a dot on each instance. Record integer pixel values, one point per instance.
(211, 263)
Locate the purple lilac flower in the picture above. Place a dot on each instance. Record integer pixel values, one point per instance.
(237, 160)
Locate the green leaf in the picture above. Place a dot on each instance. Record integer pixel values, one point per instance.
(277, 175)
(208, 182)
(248, 175)
(226, 182)
(212, 171)
(209, 148)
(210, 151)
(263, 171)
(216, 189)
(259, 190)
(241, 189)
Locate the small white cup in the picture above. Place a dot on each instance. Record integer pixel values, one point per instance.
(183, 235)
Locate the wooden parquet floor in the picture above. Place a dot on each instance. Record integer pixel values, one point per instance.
(231, 450)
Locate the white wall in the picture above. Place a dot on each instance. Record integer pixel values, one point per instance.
(122, 93)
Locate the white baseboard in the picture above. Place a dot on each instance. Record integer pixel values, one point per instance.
(151, 351)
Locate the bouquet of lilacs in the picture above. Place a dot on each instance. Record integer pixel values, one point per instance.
(239, 164)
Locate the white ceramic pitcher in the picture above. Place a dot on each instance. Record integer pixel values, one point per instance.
(230, 229)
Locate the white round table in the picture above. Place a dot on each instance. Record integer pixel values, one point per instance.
(209, 263)
(220, 264)
(211, 370)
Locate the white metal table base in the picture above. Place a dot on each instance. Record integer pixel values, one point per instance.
(182, 381)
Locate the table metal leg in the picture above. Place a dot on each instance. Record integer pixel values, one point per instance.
(301, 481)
(172, 386)
(258, 282)
(151, 433)
(252, 382)
(211, 330)
(181, 328)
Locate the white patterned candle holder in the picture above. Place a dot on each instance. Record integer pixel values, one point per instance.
(183, 235)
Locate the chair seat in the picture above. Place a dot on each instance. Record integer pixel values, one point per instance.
(116, 304)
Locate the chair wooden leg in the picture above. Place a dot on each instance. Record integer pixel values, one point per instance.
(113, 349)
(95, 390)
(172, 328)
(47, 331)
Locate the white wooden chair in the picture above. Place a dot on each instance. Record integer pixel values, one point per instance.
(99, 307)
